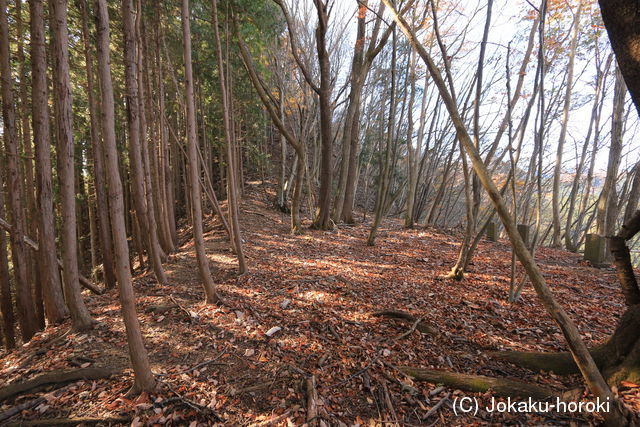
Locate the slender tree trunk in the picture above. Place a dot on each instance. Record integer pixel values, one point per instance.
(412, 154)
(24, 298)
(80, 316)
(595, 111)
(607, 202)
(104, 227)
(232, 192)
(383, 180)
(6, 301)
(54, 304)
(144, 380)
(323, 218)
(194, 164)
(27, 159)
(144, 141)
(357, 81)
(148, 235)
(555, 239)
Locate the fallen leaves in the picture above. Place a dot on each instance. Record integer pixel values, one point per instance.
(305, 309)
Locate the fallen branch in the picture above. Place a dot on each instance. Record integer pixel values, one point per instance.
(193, 405)
(19, 408)
(410, 331)
(191, 316)
(271, 421)
(480, 383)
(71, 421)
(312, 400)
(402, 315)
(437, 406)
(56, 378)
(86, 283)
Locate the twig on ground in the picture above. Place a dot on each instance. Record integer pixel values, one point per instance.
(437, 406)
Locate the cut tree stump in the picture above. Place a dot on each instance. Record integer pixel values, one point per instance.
(58, 378)
(479, 383)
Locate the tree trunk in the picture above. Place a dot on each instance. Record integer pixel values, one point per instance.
(104, 227)
(54, 304)
(145, 140)
(634, 194)
(232, 192)
(622, 21)
(412, 153)
(583, 359)
(595, 112)
(607, 202)
(323, 218)
(351, 116)
(27, 161)
(194, 164)
(24, 298)
(80, 316)
(6, 301)
(144, 380)
(148, 235)
(383, 180)
(555, 204)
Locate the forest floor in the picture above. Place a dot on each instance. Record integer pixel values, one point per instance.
(321, 289)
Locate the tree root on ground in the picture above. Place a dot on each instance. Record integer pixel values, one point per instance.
(618, 359)
(479, 383)
(57, 378)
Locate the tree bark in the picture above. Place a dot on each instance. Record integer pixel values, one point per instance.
(194, 165)
(622, 21)
(6, 301)
(323, 216)
(104, 227)
(24, 298)
(607, 202)
(149, 236)
(54, 304)
(232, 196)
(80, 317)
(555, 203)
(144, 380)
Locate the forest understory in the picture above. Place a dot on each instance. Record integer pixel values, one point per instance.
(302, 331)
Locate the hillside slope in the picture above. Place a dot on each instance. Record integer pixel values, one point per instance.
(322, 289)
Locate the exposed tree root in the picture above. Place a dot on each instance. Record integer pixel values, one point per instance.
(558, 363)
(402, 315)
(58, 378)
(618, 359)
(480, 383)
